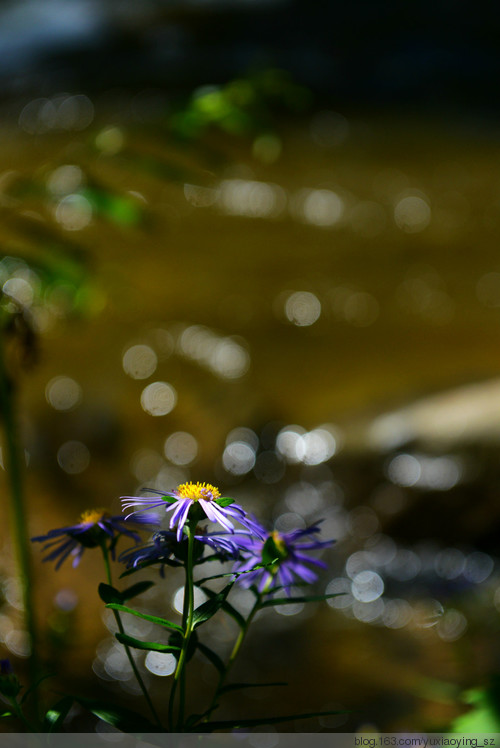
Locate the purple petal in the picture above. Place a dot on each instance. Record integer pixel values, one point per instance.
(306, 574)
(217, 514)
(309, 560)
(178, 508)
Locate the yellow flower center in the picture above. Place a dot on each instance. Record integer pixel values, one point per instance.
(93, 515)
(196, 491)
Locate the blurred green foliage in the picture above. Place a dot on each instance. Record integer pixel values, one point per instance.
(484, 715)
(242, 107)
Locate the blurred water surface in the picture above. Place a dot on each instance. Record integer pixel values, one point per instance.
(307, 317)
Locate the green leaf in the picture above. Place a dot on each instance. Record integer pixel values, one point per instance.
(224, 501)
(136, 589)
(238, 723)
(123, 719)
(176, 640)
(238, 686)
(169, 499)
(109, 594)
(194, 718)
(301, 599)
(227, 608)
(212, 656)
(6, 714)
(210, 607)
(55, 716)
(131, 641)
(145, 616)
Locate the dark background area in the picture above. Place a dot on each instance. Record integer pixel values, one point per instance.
(437, 56)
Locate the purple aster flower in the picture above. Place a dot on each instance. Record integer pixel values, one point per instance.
(164, 546)
(198, 495)
(291, 551)
(95, 526)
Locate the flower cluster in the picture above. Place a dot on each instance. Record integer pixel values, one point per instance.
(164, 547)
(264, 560)
(200, 525)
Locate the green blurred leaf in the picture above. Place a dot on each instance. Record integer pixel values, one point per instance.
(212, 656)
(239, 723)
(145, 616)
(227, 608)
(136, 589)
(485, 713)
(210, 607)
(118, 209)
(109, 594)
(176, 639)
(224, 501)
(56, 715)
(193, 719)
(131, 641)
(123, 719)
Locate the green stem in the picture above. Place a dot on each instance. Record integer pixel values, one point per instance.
(121, 629)
(16, 708)
(235, 651)
(187, 625)
(14, 467)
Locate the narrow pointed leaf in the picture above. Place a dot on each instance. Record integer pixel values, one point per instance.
(210, 607)
(136, 589)
(227, 608)
(131, 641)
(238, 723)
(123, 719)
(6, 714)
(55, 716)
(109, 594)
(300, 599)
(145, 616)
(169, 499)
(238, 686)
(212, 656)
(193, 719)
(176, 640)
